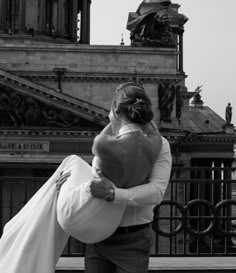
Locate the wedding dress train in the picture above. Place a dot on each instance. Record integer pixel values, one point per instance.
(34, 239)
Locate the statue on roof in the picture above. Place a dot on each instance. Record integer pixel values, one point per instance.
(152, 29)
(197, 98)
(156, 23)
(228, 113)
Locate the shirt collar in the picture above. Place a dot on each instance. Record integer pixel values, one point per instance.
(129, 128)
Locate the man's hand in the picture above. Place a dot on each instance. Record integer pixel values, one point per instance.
(100, 186)
(62, 179)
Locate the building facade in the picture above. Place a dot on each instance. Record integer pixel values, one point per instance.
(56, 90)
(65, 19)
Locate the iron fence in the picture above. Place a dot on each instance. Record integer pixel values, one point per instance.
(197, 217)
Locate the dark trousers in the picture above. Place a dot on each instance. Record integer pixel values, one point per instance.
(121, 253)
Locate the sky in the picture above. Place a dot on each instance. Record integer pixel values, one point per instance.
(209, 43)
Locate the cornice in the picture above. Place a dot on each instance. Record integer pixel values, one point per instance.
(173, 138)
(107, 77)
(35, 158)
(90, 49)
(212, 139)
(46, 133)
(184, 137)
(223, 139)
(225, 155)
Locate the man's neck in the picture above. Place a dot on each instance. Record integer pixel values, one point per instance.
(129, 128)
(121, 124)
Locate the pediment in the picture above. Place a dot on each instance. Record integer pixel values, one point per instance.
(24, 104)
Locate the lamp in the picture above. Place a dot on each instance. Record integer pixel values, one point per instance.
(60, 71)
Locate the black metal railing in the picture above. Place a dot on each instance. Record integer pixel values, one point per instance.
(197, 217)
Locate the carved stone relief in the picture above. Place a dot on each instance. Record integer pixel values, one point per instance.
(21, 111)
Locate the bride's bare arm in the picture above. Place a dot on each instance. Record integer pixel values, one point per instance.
(107, 130)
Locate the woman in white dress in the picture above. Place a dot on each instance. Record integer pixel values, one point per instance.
(34, 239)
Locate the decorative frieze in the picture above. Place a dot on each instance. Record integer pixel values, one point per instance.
(50, 96)
(20, 111)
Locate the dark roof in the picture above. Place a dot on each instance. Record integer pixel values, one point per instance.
(203, 120)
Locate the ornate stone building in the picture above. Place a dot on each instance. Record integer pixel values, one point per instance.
(65, 19)
(56, 90)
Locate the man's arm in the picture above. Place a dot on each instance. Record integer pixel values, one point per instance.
(153, 192)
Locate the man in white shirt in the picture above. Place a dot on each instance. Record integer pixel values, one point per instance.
(128, 249)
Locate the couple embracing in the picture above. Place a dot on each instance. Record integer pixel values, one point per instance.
(108, 206)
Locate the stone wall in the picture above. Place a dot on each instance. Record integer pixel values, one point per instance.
(92, 72)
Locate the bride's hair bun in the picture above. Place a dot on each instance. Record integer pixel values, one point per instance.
(131, 100)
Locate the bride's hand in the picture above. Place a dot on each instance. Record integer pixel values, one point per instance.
(100, 185)
(62, 179)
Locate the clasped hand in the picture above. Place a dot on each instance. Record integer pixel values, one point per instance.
(99, 186)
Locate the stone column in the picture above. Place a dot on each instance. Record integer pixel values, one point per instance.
(3, 16)
(60, 26)
(181, 53)
(42, 16)
(88, 21)
(84, 22)
(74, 20)
(22, 16)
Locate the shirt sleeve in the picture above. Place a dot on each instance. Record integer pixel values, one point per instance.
(153, 192)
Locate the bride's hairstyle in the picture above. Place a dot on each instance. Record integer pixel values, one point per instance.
(131, 100)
